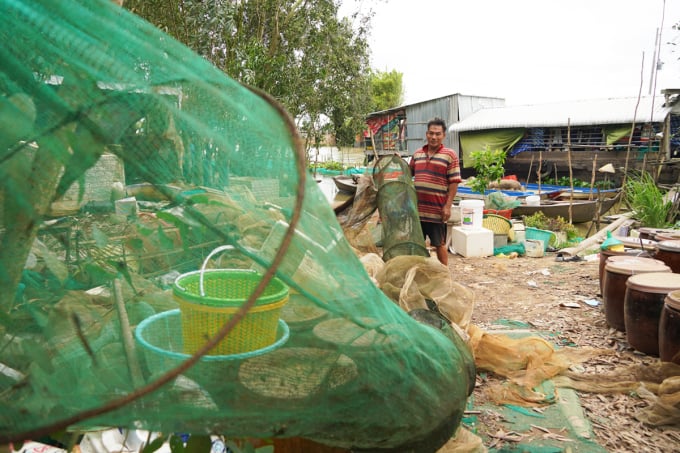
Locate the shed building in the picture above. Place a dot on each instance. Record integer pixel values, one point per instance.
(626, 132)
(402, 129)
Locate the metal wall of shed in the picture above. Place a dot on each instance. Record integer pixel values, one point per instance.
(451, 109)
(418, 115)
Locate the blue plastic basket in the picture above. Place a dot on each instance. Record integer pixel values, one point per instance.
(160, 339)
(538, 234)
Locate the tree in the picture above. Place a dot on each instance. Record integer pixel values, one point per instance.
(386, 89)
(300, 52)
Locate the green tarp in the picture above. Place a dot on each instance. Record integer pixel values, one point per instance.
(615, 132)
(495, 139)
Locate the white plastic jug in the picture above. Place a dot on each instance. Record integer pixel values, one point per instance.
(533, 200)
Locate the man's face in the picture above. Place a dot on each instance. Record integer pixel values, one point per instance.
(435, 136)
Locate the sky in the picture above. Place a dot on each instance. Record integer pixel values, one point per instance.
(525, 51)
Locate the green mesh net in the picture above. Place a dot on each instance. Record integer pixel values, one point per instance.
(125, 160)
(398, 206)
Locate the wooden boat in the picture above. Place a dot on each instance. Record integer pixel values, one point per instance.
(341, 201)
(582, 195)
(345, 183)
(581, 210)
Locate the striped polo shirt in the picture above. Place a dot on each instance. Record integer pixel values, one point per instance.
(432, 177)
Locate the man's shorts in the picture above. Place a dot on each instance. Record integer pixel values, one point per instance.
(435, 231)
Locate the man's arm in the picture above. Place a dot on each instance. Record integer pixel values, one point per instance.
(450, 195)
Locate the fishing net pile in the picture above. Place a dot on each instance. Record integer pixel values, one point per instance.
(398, 206)
(166, 265)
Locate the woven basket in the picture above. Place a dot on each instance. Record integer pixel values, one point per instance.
(160, 340)
(497, 224)
(209, 298)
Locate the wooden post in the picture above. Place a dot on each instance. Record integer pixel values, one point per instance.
(540, 164)
(571, 173)
(126, 334)
(632, 126)
(531, 165)
(592, 178)
(375, 151)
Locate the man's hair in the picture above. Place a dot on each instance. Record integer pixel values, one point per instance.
(437, 122)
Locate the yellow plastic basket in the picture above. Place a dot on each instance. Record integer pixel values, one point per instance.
(496, 223)
(209, 298)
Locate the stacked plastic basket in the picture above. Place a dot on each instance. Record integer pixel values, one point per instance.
(208, 299)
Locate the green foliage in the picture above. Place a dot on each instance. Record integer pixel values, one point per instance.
(488, 165)
(564, 181)
(330, 165)
(647, 201)
(386, 89)
(558, 224)
(566, 232)
(314, 63)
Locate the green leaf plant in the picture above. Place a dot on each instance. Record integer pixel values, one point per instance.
(489, 167)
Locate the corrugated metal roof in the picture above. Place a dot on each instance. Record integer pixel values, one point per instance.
(429, 101)
(576, 113)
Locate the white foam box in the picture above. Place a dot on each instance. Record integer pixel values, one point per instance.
(472, 243)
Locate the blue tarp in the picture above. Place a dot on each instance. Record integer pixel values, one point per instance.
(532, 189)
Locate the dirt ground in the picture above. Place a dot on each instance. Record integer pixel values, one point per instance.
(551, 295)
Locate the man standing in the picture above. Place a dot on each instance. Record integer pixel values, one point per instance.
(436, 172)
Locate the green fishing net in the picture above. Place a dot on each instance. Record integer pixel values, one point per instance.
(398, 206)
(166, 265)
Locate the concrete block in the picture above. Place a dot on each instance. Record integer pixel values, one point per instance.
(126, 206)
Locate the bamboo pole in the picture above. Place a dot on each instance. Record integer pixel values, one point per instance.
(592, 178)
(531, 165)
(585, 244)
(126, 334)
(632, 126)
(571, 172)
(375, 151)
(540, 164)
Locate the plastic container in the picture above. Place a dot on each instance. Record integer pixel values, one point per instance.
(613, 244)
(471, 214)
(669, 329)
(669, 253)
(208, 299)
(506, 213)
(541, 235)
(533, 200)
(667, 235)
(160, 339)
(519, 231)
(644, 301)
(617, 271)
(606, 254)
(650, 233)
(534, 248)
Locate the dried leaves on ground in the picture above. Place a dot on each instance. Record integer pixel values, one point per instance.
(562, 298)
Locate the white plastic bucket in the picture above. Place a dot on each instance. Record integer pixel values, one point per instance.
(471, 214)
(534, 248)
(533, 200)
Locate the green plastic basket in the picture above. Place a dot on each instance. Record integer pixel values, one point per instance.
(538, 234)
